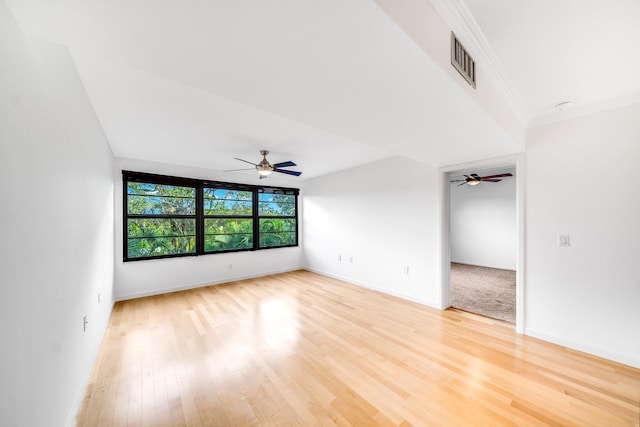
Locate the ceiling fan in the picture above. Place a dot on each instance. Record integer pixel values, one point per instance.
(265, 168)
(475, 179)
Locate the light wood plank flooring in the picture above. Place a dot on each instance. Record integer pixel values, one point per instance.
(299, 349)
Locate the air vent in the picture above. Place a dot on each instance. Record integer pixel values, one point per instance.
(462, 61)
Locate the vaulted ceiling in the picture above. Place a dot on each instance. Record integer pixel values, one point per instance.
(331, 84)
(549, 52)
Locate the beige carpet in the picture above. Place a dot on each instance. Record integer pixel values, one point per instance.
(487, 291)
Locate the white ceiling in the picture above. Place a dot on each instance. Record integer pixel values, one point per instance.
(551, 51)
(328, 84)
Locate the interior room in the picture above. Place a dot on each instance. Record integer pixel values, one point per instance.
(484, 242)
(378, 104)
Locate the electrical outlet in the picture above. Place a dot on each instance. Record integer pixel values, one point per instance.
(84, 323)
(563, 240)
(406, 270)
(230, 266)
(339, 257)
(351, 259)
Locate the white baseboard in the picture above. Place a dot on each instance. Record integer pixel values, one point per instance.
(625, 360)
(125, 297)
(630, 361)
(432, 304)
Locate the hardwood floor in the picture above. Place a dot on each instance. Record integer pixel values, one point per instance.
(299, 349)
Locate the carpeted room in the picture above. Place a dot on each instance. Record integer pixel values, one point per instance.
(483, 230)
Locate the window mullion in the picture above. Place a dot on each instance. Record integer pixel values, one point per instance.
(125, 216)
(256, 220)
(200, 220)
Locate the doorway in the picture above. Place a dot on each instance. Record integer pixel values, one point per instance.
(483, 239)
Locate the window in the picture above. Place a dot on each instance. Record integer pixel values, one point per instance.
(277, 218)
(169, 216)
(228, 219)
(161, 220)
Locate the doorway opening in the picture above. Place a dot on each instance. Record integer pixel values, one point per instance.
(482, 228)
(483, 241)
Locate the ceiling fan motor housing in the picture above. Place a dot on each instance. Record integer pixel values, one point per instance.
(265, 168)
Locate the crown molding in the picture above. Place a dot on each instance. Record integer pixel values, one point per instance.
(458, 17)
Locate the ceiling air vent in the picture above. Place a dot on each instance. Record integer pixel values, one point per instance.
(462, 61)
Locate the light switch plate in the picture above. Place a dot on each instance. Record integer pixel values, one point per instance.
(563, 240)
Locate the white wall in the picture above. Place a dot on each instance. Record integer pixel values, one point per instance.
(422, 21)
(383, 216)
(483, 224)
(140, 278)
(56, 223)
(581, 181)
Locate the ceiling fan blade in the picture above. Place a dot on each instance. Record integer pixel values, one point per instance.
(464, 183)
(458, 180)
(284, 164)
(263, 176)
(234, 170)
(245, 161)
(490, 180)
(295, 173)
(502, 175)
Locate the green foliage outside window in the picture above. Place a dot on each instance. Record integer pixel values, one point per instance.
(169, 235)
(169, 216)
(277, 223)
(154, 199)
(231, 227)
(155, 237)
(228, 234)
(276, 205)
(277, 232)
(227, 202)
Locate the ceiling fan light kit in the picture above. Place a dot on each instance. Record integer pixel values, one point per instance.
(265, 168)
(263, 172)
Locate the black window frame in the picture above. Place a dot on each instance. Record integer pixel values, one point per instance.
(276, 217)
(199, 186)
(236, 187)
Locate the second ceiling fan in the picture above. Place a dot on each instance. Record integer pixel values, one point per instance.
(265, 168)
(475, 179)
